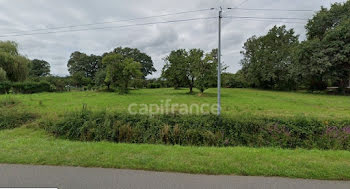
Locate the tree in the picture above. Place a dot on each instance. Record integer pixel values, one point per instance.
(2, 75)
(15, 65)
(80, 79)
(100, 79)
(174, 70)
(88, 65)
(268, 59)
(190, 69)
(138, 56)
(120, 71)
(311, 69)
(325, 55)
(336, 52)
(39, 68)
(205, 69)
(326, 20)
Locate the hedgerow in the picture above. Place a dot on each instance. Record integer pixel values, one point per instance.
(202, 130)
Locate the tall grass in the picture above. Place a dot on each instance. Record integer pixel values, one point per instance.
(209, 130)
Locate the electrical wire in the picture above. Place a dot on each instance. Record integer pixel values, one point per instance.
(109, 22)
(267, 18)
(111, 27)
(281, 10)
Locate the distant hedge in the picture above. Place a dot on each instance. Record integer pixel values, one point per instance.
(26, 87)
(208, 130)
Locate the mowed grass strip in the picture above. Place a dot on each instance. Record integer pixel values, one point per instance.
(234, 102)
(32, 146)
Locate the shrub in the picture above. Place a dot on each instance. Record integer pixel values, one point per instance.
(5, 87)
(198, 130)
(12, 118)
(29, 87)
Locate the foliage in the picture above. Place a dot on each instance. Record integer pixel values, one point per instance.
(120, 70)
(79, 79)
(85, 64)
(5, 87)
(207, 130)
(11, 116)
(138, 56)
(191, 69)
(326, 20)
(15, 65)
(236, 80)
(325, 55)
(174, 70)
(29, 87)
(39, 68)
(268, 60)
(3, 76)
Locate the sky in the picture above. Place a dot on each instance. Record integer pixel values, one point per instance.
(29, 19)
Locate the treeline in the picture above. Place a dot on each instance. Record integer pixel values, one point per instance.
(279, 61)
(276, 61)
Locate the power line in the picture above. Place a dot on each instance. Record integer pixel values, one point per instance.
(281, 10)
(109, 22)
(111, 27)
(267, 18)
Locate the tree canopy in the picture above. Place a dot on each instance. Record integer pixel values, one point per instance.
(81, 62)
(191, 68)
(268, 59)
(39, 68)
(15, 65)
(141, 57)
(120, 70)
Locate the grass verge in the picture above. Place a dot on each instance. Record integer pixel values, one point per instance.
(30, 146)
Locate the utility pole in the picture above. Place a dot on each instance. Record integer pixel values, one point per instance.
(219, 63)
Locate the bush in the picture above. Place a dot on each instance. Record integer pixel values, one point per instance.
(12, 118)
(5, 87)
(29, 87)
(208, 130)
(153, 85)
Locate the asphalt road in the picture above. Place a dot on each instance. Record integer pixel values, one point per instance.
(77, 177)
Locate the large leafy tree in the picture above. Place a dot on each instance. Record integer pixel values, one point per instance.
(15, 65)
(327, 19)
(311, 69)
(39, 68)
(192, 69)
(268, 59)
(120, 70)
(175, 68)
(325, 55)
(204, 68)
(81, 62)
(138, 56)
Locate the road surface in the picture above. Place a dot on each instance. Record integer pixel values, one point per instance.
(77, 177)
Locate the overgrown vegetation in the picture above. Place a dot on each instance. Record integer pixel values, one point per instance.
(207, 130)
(12, 116)
(278, 61)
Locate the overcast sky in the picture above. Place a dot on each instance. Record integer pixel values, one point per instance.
(155, 40)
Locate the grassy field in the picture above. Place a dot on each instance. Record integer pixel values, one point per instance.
(29, 146)
(234, 102)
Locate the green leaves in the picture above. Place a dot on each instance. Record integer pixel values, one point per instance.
(15, 65)
(268, 59)
(121, 70)
(190, 69)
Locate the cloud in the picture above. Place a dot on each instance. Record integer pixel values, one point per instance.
(155, 40)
